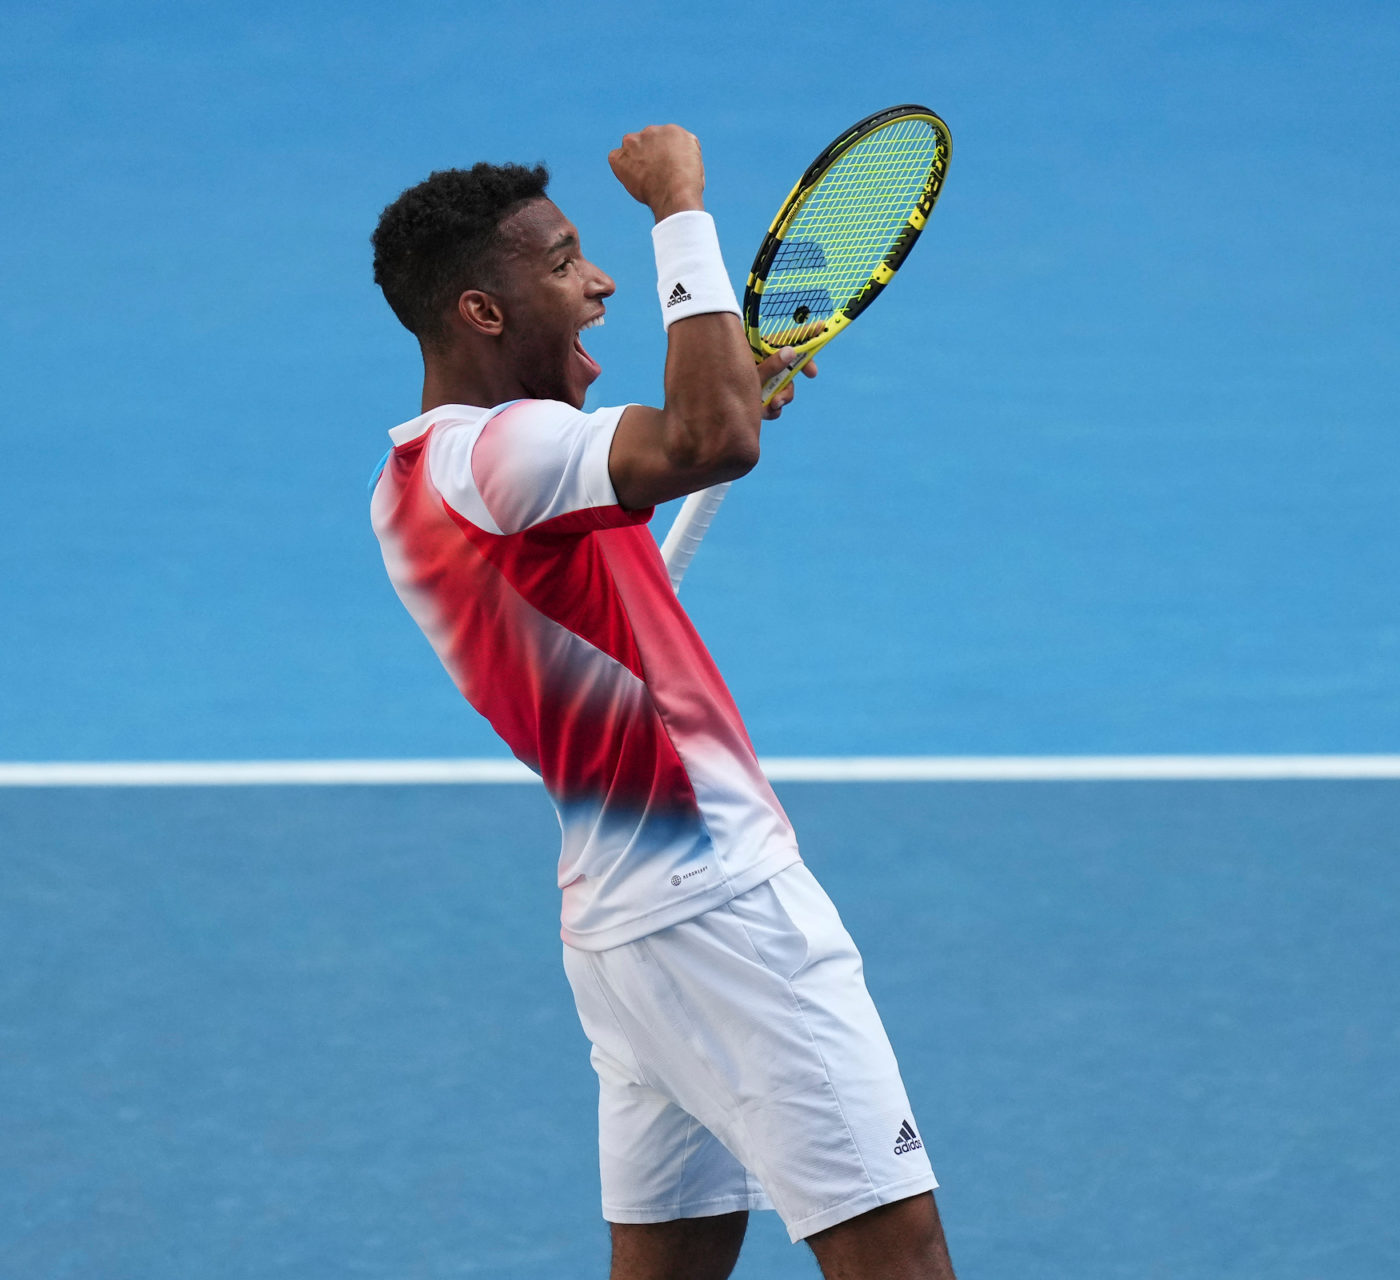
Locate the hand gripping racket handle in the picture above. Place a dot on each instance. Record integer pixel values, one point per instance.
(693, 520)
(779, 380)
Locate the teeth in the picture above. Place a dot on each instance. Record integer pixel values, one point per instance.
(596, 323)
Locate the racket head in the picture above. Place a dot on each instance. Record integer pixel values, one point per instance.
(845, 229)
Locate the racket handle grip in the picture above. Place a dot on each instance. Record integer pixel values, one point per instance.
(689, 529)
(779, 380)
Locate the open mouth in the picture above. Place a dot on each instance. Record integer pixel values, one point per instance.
(594, 368)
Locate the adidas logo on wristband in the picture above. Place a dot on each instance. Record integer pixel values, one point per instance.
(690, 275)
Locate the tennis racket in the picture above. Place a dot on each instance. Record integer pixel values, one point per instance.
(840, 236)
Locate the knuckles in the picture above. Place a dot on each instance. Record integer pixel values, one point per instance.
(656, 133)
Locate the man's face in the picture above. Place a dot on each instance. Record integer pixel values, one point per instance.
(549, 292)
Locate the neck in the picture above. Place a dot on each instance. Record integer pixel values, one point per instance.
(449, 380)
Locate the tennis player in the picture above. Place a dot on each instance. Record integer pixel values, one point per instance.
(741, 1063)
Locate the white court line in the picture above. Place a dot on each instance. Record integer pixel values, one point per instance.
(233, 773)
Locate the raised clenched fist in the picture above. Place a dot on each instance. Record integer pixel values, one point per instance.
(661, 167)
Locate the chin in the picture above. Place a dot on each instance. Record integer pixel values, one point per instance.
(567, 382)
(577, 398)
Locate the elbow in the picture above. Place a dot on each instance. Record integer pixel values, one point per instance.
(722, 447)
(743, 456)
(736, 439)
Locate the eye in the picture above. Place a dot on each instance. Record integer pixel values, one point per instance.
(568, 262)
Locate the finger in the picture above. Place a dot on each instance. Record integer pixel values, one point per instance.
(776, 405)
(810, 369)
(772, 365)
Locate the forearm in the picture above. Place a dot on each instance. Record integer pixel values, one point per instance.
(707, 431)
(712, 410)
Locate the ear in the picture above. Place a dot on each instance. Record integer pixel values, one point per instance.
(481, 312)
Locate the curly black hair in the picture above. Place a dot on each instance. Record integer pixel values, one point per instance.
(440, 237)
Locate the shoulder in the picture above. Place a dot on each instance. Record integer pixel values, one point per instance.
(547, 419)
(528, 461)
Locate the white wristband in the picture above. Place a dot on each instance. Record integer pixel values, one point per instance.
(690, 275)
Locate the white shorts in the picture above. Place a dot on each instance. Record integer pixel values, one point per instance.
(742, 1065)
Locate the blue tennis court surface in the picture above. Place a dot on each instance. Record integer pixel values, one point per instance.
(1150, 1029)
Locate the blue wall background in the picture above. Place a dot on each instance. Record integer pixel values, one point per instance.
(1112, 468)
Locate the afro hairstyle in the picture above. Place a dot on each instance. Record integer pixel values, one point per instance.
(441, 237)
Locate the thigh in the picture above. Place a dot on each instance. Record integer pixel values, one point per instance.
(657, 1162)
(899, 1241)
(691, 1249)
(850, 1145)
(754, 1018)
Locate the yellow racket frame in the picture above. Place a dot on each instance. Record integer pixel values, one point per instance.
(699, 508)
(902, 242)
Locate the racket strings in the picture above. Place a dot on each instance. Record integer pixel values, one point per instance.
(846, 228)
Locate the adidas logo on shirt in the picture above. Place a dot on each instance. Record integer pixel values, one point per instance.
(678, 294)
(907, 1141)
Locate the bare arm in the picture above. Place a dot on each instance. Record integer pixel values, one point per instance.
(707, 431)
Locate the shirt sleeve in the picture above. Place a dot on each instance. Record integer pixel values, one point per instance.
(538, 463)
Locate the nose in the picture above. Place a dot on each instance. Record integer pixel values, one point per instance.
(601, 285)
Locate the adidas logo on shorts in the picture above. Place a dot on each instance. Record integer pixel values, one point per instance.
(678, 294)
(907, 1141)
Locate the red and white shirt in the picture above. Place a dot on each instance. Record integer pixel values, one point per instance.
(551, 609)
